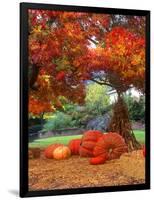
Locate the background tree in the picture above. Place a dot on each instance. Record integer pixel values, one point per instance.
(136, 108)
(96, 99)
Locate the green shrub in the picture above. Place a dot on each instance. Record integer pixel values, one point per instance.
(35, 128)
(58, 121)
(136, 109)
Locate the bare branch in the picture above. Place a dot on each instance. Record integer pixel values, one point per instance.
(101, 83)
(93, 41)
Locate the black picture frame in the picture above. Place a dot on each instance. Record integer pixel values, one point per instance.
(24, 99)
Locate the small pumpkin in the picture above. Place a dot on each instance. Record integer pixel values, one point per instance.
(88, 142)
(74, 146)
(61, 152)
(110, 144)
(48, 153)
(98, 160)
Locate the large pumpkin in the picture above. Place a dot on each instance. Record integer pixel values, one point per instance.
(48, 153)
(111, 145)
(88, 142)
(74, 146)
(61, 152)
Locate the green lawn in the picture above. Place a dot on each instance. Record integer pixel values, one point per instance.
(140, 136)
(51, 140)
(65, 139)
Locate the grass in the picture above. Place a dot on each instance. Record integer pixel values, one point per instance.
(51, 140)
(140, 136)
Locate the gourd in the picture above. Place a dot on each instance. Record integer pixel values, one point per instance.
(48, 153)
(61, 152)
(74, 146)
(110, 144)
(88, 142)
(98, 160)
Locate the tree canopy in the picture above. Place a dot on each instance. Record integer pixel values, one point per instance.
(68, 48)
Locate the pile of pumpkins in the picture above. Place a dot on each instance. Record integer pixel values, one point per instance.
(98, 146)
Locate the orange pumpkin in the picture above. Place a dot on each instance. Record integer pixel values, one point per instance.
(98, 160)
(110, 144)
(61, 152)
(74, 146)
(88, 142)
(48, 153)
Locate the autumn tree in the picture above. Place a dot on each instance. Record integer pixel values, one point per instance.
(122, 62)
(68, 48)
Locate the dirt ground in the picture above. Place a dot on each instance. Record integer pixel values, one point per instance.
(76, 172)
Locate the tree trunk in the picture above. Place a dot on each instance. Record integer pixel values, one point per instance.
(41, 117)
(120, 123)
(33, 77)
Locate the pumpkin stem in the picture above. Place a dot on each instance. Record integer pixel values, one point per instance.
(110, 150)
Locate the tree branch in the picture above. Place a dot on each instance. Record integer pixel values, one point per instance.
(89, 38)
(101, 83)
(93, 41)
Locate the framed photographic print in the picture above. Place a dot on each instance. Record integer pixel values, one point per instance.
(84, 99)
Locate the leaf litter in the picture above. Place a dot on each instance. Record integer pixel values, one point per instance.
(76, 172)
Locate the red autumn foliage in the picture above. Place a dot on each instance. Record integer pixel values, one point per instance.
(69, 47)
(37, 107)
(60, 76)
